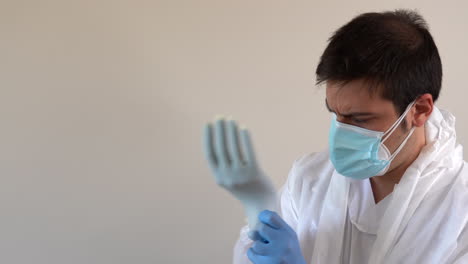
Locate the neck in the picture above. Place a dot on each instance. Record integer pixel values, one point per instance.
(383, 185)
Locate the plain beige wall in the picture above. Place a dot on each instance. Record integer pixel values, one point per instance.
(102, 105)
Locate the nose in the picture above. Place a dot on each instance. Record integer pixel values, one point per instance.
(340, 119)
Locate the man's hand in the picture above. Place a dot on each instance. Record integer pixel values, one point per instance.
(275, 242)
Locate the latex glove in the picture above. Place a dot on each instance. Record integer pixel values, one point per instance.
(231, 157)
(275, 242)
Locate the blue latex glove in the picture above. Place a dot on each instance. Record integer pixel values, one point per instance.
(275, 242)
(231, 157)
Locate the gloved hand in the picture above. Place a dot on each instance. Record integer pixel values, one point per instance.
(275, 242)
(233, 163)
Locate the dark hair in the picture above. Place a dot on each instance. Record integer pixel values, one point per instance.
(390, 50)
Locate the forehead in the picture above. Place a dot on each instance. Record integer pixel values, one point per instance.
(355, 95)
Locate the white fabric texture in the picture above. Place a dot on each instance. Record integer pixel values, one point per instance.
(423, 220)
(363, 221)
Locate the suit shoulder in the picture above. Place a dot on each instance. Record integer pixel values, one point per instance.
(310, 169)
(313, 162)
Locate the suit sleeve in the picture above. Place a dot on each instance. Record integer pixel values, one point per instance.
(460, 254)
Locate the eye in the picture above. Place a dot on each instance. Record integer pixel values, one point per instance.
(359, 121)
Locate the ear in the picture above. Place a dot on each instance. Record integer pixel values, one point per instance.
(423, 109)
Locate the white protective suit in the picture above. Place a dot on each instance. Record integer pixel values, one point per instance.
(423, 220)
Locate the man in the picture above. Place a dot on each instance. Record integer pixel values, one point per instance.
(393, 186)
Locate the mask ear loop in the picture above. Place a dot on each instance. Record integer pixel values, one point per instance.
(401, 145)
(395, 125)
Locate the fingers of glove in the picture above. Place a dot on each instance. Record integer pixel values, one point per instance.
(256, 258)
(208, 146)
(270, 234)
(272, 219)
(221, 147)
(262, 248)
(255, 236)
(247, 146)
(233, 141)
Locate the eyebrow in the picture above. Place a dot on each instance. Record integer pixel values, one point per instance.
(349, 114)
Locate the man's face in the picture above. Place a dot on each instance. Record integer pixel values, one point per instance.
(353, 104)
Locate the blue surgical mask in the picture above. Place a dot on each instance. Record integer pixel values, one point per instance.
(360, 153)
